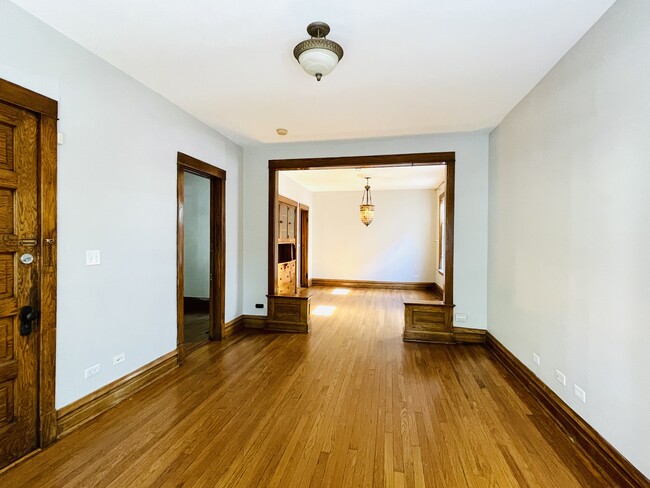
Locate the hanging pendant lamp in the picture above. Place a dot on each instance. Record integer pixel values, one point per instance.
(367, 208)
(318, 56)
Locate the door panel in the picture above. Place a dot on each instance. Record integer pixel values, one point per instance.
(18, 282)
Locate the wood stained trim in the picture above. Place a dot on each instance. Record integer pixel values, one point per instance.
(304, 245)
(288, 201)
(47, 111)
(234, 326)
(48, 278)
(180, 262)
(438, 290)
(373, 161)
(273, 233)
(602, 453)
(217, 177)
(450, 210)
(386, 285)
(469, 336)
(254, 321)
(199, 167)
(87, 408)
(218, 256)
(416, 159)
(27, 99)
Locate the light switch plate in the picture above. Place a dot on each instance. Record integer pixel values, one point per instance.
(92, 257)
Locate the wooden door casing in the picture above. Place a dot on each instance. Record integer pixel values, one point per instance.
(19, 234)
(304, 246)
(217, 177)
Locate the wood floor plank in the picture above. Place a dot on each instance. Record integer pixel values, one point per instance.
(348, 405)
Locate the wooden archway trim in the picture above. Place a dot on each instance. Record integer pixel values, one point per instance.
(374, 161)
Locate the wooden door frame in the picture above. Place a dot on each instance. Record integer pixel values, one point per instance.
(378, 161)
(303, 211)
(46, 111)
(217, 177)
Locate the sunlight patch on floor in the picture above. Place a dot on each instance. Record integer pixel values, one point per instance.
(340, 291)
(324, 310)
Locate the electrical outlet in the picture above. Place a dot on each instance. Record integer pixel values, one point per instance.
(92, 371)
(92, 257)
(118, 358)
(580, 393)
(560, 376)
(536, 359)
(461, 317)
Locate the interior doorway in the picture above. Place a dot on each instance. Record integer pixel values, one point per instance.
(446, 159)
(200, 253)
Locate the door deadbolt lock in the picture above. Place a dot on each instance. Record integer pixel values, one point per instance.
(27, 316)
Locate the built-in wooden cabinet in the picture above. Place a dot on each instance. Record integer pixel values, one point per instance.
(287, 278)
(287, 215)
(287, 222)
(289, 311)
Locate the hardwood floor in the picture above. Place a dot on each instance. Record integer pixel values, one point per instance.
(196, 327)
(348, 405)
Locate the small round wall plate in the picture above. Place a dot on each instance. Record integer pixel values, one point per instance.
(27, 258)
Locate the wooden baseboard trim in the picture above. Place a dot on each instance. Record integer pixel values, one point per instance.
(469, 336)
(385, 285)
(87, 408)
(602, 453)
(254, 321)
(235, 325)
(438, 290)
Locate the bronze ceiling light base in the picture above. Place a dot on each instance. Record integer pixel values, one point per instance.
(318, 56)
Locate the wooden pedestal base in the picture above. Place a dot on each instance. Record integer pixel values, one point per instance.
(428, 321)
(289, 313)
(432, 321)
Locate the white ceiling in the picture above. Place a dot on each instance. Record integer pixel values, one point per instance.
(406, 178)
(410, 67)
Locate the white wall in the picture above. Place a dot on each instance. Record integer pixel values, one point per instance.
(397, 246)
(116, 193)
(196, 230)
(470, 259)
(294, 190)
(569, 267)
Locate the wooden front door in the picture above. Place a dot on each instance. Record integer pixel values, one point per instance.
(19, 237)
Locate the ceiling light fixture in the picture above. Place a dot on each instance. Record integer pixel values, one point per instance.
(367, 208)
(318, 56)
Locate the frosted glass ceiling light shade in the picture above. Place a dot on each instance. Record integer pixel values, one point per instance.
(318, 56)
